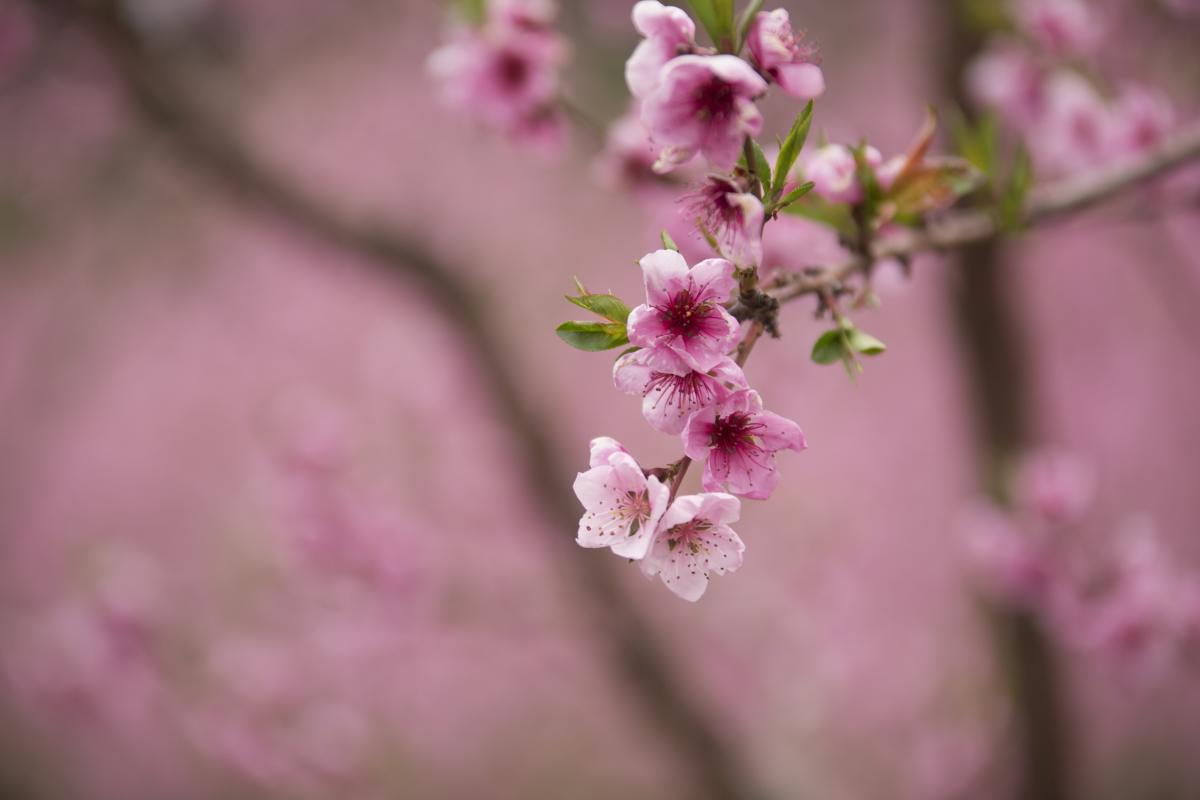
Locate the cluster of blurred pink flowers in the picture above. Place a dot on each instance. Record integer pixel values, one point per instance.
(503, 70)
(1047, 80)
(1132, 605)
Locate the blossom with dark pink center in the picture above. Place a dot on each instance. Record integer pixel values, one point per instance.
(784, 55)
(703, 104)
(671, 390)
(1055, 487)
(622, 505)
(683, 311)
(668, 32)
(1077, 130)
(740, 440)
(1062, 27)
(1144, 116)
(834, 172)
(693, 541)
(505, 73)
(732, 215)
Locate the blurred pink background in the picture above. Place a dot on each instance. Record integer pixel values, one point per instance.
(260, 532)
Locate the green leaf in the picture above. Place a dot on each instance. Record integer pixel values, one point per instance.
(976, 142)
(744, 22)
(762, 167)
(865, 343)
(830, 347)
(1012, 202)
(835, 215)
(790, 149)
(668, 242)
(608, 306)
(794, 195)
(716, 16)
(473, 12)
(593, 336)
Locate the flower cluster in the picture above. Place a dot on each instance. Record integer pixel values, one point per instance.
(503, 70)
(1134, 608)
(691, 387)
(1043, 80)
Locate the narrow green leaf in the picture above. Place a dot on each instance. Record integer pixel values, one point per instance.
(744, 22)
(794, 195)
(790, 149)
(668, 242)
(1020, 179)
(608, 306)
(593, 336)
(762, 167)
(706, 11)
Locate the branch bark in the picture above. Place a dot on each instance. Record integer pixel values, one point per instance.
(717, 772)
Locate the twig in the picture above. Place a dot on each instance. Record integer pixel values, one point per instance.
(1045, 203)
(715, 770)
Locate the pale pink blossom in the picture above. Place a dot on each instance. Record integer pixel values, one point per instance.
(703, 104)
(1056, 487)
(683, 310)
(791, 243)
(1010, 564)
(671, 390)
(784, 55)
(740, 440)
(668, 32)
(1007, 78)
(628, 156)
(622, 505)
(693, 541)
(1062, 27)
(834, 172)
(1076, 130)
(1143, 118)
(504, 73)
(731, 214)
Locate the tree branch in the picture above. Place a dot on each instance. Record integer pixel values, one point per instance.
(716, 771)
(1046, 203)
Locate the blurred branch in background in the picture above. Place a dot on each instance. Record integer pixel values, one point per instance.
(715, 770)
(994, 362)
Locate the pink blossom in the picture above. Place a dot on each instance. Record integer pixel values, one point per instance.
(1010, 564)
(834, 172)
(1056, 487)
(505, 73)
(628, 155)
(740, 440)
(1007, 78)
(693, 541)
(671, 390)
(683, 310)
(1144, 116)
(622, 505)
(785, 56)
(1076, 131)
(731, 214)
(703, 104)
(669, 32)
(791, 243)
(1062, 27)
